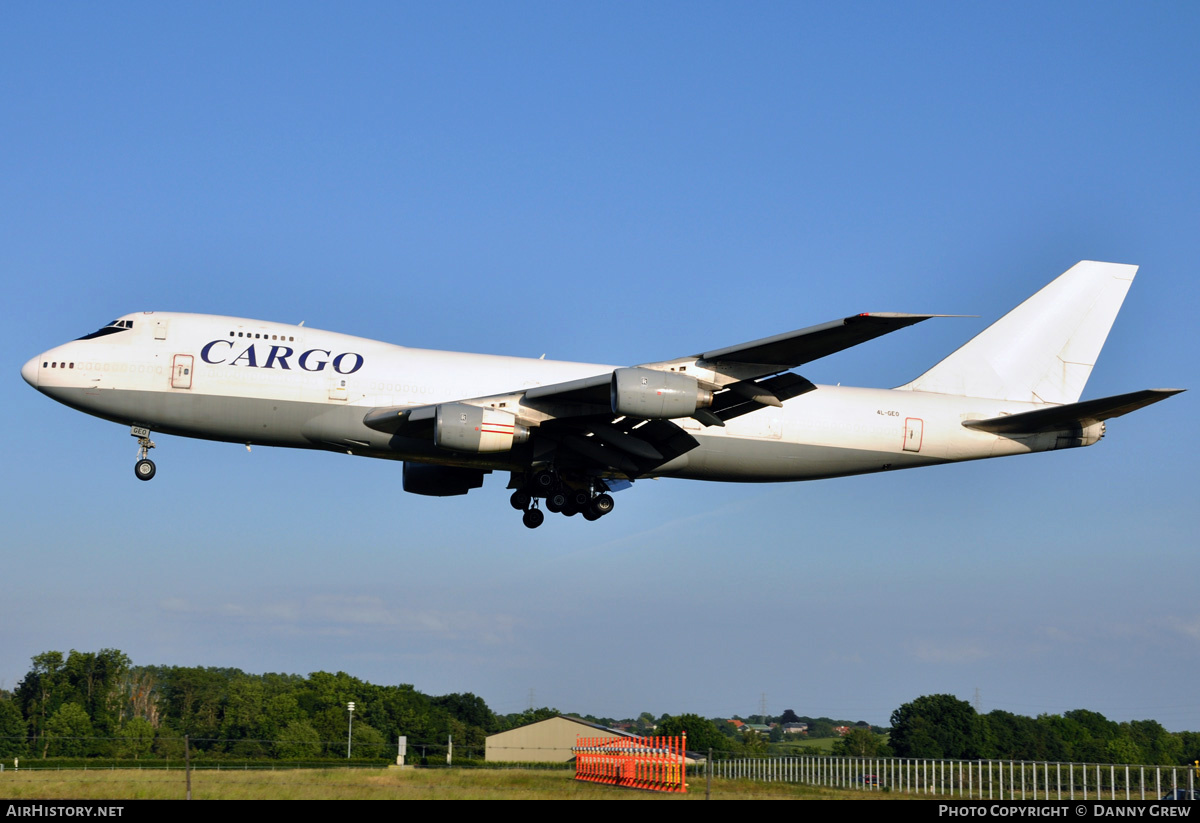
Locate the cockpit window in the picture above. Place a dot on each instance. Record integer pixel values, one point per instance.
(112, 328)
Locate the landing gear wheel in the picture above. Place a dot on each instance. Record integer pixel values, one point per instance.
(591, 514)
(558, 501)
(520, 500)
(544, 481)
(602, 504)
(581, 499)
(144, 469)
(533, 518)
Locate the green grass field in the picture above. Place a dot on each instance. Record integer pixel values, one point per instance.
(823, 744)
(378, 784)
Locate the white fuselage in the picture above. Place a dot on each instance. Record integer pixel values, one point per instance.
(247, 381)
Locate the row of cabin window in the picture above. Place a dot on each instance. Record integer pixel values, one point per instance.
(264, 337)
(53, 365)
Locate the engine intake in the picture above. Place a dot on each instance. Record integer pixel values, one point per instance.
(657, 394)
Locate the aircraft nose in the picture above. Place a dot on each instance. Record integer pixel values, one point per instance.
(30, 371)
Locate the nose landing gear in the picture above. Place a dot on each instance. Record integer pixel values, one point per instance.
(144, 468)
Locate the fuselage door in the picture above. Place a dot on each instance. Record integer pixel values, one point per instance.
(914, 433)
(181, 372)
(337, 388)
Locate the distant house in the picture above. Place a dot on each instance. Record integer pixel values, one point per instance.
(795, 728)
(842, 730)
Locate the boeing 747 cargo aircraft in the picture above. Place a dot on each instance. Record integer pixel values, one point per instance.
(570, 434)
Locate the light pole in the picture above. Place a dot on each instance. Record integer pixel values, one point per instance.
(350, 728)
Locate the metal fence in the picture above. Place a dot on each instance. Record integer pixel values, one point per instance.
(978, 779)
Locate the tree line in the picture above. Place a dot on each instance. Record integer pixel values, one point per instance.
(942, 726)
(98, 704)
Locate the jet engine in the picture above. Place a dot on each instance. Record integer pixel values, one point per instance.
(461, 427)
(657, 394)
(440, 481)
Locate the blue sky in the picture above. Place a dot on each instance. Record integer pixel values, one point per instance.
(614, 183)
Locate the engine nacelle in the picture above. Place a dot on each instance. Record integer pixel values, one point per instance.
(657, 394)
(464, 428)
(440, 481)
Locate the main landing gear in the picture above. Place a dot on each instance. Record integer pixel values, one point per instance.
(561, 497)
(144, 468)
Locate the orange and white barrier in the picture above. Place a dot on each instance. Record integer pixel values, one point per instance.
(652, 763)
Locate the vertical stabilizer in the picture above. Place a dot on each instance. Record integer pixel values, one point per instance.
(1043, 350)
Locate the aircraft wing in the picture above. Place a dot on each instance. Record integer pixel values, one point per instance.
(594, 438)
(579, 420)
(733, 366)
(771, 355)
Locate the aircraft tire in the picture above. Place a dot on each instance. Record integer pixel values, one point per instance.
(144, 469)
(544, 481)
(520, 500)
(603, 504)
(533, 518)
(591, 514)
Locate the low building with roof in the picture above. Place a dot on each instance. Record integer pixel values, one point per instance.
(547, 741)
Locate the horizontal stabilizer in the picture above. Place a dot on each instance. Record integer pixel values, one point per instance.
(1057, 418)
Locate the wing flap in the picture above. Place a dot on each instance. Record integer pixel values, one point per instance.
(731, 404)
(391, 419)
(630, 447)
(588, 390)
(626, 442)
